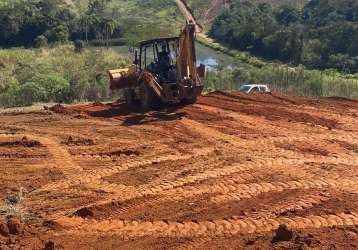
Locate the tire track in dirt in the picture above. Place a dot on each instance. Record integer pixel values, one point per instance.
(245, 145)
(253, 123)
(247, 191)
(220, 171)
(214, 228)
(273, 141)
(226, 190)
(232, 191)
(60, 155)
(61, 158)
(94, 176)
(175, 189)
(267, 125)
(292, 204)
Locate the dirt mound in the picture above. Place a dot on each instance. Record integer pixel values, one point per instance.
(24, 142)
(346, 145)
(98, 104)
(15, 226)
(304, 148)
(90, 108)
(4, 229)
(282, 234)
(60, 109)
(119, 153)
(79, 142)
(49, 245)
(84, 213)
(266, 105)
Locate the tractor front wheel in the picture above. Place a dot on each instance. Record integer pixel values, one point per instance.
(147, 97)
(129, 96)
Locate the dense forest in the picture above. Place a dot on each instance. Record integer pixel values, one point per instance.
(37, 23)
(324, 34)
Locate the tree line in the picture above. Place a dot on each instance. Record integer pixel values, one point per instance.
(324, 34)
(34, 23)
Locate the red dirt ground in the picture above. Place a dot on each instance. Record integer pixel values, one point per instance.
(224, 173)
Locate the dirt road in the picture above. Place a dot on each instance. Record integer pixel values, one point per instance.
(225, 172)
(189, 16)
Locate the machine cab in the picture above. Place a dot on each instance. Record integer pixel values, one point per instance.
(158, 56)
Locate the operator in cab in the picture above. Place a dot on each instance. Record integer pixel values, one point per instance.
(164, 62)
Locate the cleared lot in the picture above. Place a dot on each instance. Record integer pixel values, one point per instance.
(225, 172)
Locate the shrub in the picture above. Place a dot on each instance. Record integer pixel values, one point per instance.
(55, 75)
(49, 88)
(31, 92)
(40, 41)
(79, 45)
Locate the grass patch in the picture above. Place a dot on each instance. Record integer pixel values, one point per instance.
(55, 74)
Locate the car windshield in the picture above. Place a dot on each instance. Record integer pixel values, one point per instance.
(245, 88)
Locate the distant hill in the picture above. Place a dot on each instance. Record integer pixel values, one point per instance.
(207, 10)
(323, 34)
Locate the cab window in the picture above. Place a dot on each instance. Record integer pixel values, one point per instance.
(262, 89)
(254, 90)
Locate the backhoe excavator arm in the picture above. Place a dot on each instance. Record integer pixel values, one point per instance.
(186, 59)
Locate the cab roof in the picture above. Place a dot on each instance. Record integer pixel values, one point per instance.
(157, 40)
(254, 85)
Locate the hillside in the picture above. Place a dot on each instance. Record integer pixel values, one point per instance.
(207, 10)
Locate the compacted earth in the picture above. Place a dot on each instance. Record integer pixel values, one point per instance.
(233, 171)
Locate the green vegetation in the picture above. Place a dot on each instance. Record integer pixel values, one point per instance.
(105, 22)
(55, 75)
(57, 71)
(147, 19)
(283, 78)
(37, 23)
(207, 10)
(322, 35)
(296, 81)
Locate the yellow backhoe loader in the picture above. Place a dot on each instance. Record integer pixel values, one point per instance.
(164, 71)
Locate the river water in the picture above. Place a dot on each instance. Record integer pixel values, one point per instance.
(212, 59)
(205, 55)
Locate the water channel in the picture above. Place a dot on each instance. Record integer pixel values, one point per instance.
(205, 55)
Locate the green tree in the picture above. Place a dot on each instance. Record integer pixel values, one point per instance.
(60, 34)
(287, 15)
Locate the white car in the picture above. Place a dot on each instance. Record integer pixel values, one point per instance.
(254, 88)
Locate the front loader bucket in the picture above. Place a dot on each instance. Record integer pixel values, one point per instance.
(123, 78)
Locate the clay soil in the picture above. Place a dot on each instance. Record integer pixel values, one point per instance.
(224, 173)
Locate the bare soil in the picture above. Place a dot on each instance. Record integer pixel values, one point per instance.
(224, 173)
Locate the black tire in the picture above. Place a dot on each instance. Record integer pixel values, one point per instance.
(189, 101)
(129, 96)
(147, 97)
